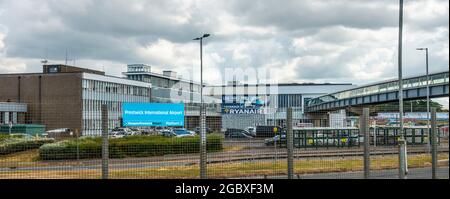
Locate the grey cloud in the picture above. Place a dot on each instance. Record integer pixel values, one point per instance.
(293, 15)
(114, 30)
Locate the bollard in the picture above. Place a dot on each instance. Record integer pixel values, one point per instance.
(433, 144)
(105, 152)
(290, 144)
(364, 129)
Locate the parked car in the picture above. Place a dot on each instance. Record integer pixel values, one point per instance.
(183, 133)
(268, 131)
(167, 133)
(197, 130)
(127, 131)
(443, 131)
(117, 134)
(280, 139)
(237, 133)
(60, 133)
(251, 130)
(135, 131)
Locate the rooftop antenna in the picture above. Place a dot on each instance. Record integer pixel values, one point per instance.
(45, 61)
(66, 57)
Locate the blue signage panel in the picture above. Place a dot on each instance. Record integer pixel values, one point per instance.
(152, 114)
(244, 104)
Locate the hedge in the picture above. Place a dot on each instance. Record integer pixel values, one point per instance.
(131, 146)
(12, 145)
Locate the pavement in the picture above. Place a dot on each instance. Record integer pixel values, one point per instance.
(413, 173)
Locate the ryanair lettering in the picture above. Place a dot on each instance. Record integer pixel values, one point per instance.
(245, 111)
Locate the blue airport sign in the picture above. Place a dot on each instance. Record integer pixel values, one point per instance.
(152, 114)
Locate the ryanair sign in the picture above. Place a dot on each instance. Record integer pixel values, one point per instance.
(243, 105)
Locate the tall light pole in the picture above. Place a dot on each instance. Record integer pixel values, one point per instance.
(402, 147)
(428, 91)
(202, 115)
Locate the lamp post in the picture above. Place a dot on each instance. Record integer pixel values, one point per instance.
(403, 165)
(428, 91)
(202, 115)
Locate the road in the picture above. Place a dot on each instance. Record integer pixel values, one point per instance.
(415, 173)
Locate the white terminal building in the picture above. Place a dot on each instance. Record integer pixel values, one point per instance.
(245, 105)
(234, 105)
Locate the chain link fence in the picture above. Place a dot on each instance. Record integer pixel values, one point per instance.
(45, 142)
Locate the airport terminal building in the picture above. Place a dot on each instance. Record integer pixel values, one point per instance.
(69, 97)
(249, 105)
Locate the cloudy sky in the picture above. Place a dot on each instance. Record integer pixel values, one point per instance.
(303, 41)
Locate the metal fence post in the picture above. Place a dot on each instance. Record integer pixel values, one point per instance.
(78, 147)
(290, 144)
(402, 158)
(433, 143)
(203, 157)
(105, 152)
(364, 129)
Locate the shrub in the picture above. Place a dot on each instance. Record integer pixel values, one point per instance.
(12, 145)
(131, 146)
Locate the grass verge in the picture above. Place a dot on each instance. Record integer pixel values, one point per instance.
(235, 170)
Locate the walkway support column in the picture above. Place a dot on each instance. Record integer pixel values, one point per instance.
(105, 143)
(434, 162)
(290, 143)
(364, 129)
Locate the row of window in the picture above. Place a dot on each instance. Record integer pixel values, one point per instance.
(138, 68)
(108, 87)
(289, 100)
(6, 117)
(166, 83)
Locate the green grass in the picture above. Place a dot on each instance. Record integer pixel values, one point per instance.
(248, 169)
(234, 170)
(131, 146)
(17, 143)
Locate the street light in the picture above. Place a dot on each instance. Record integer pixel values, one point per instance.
(403, 165)
(202, 114)
(428, 91)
